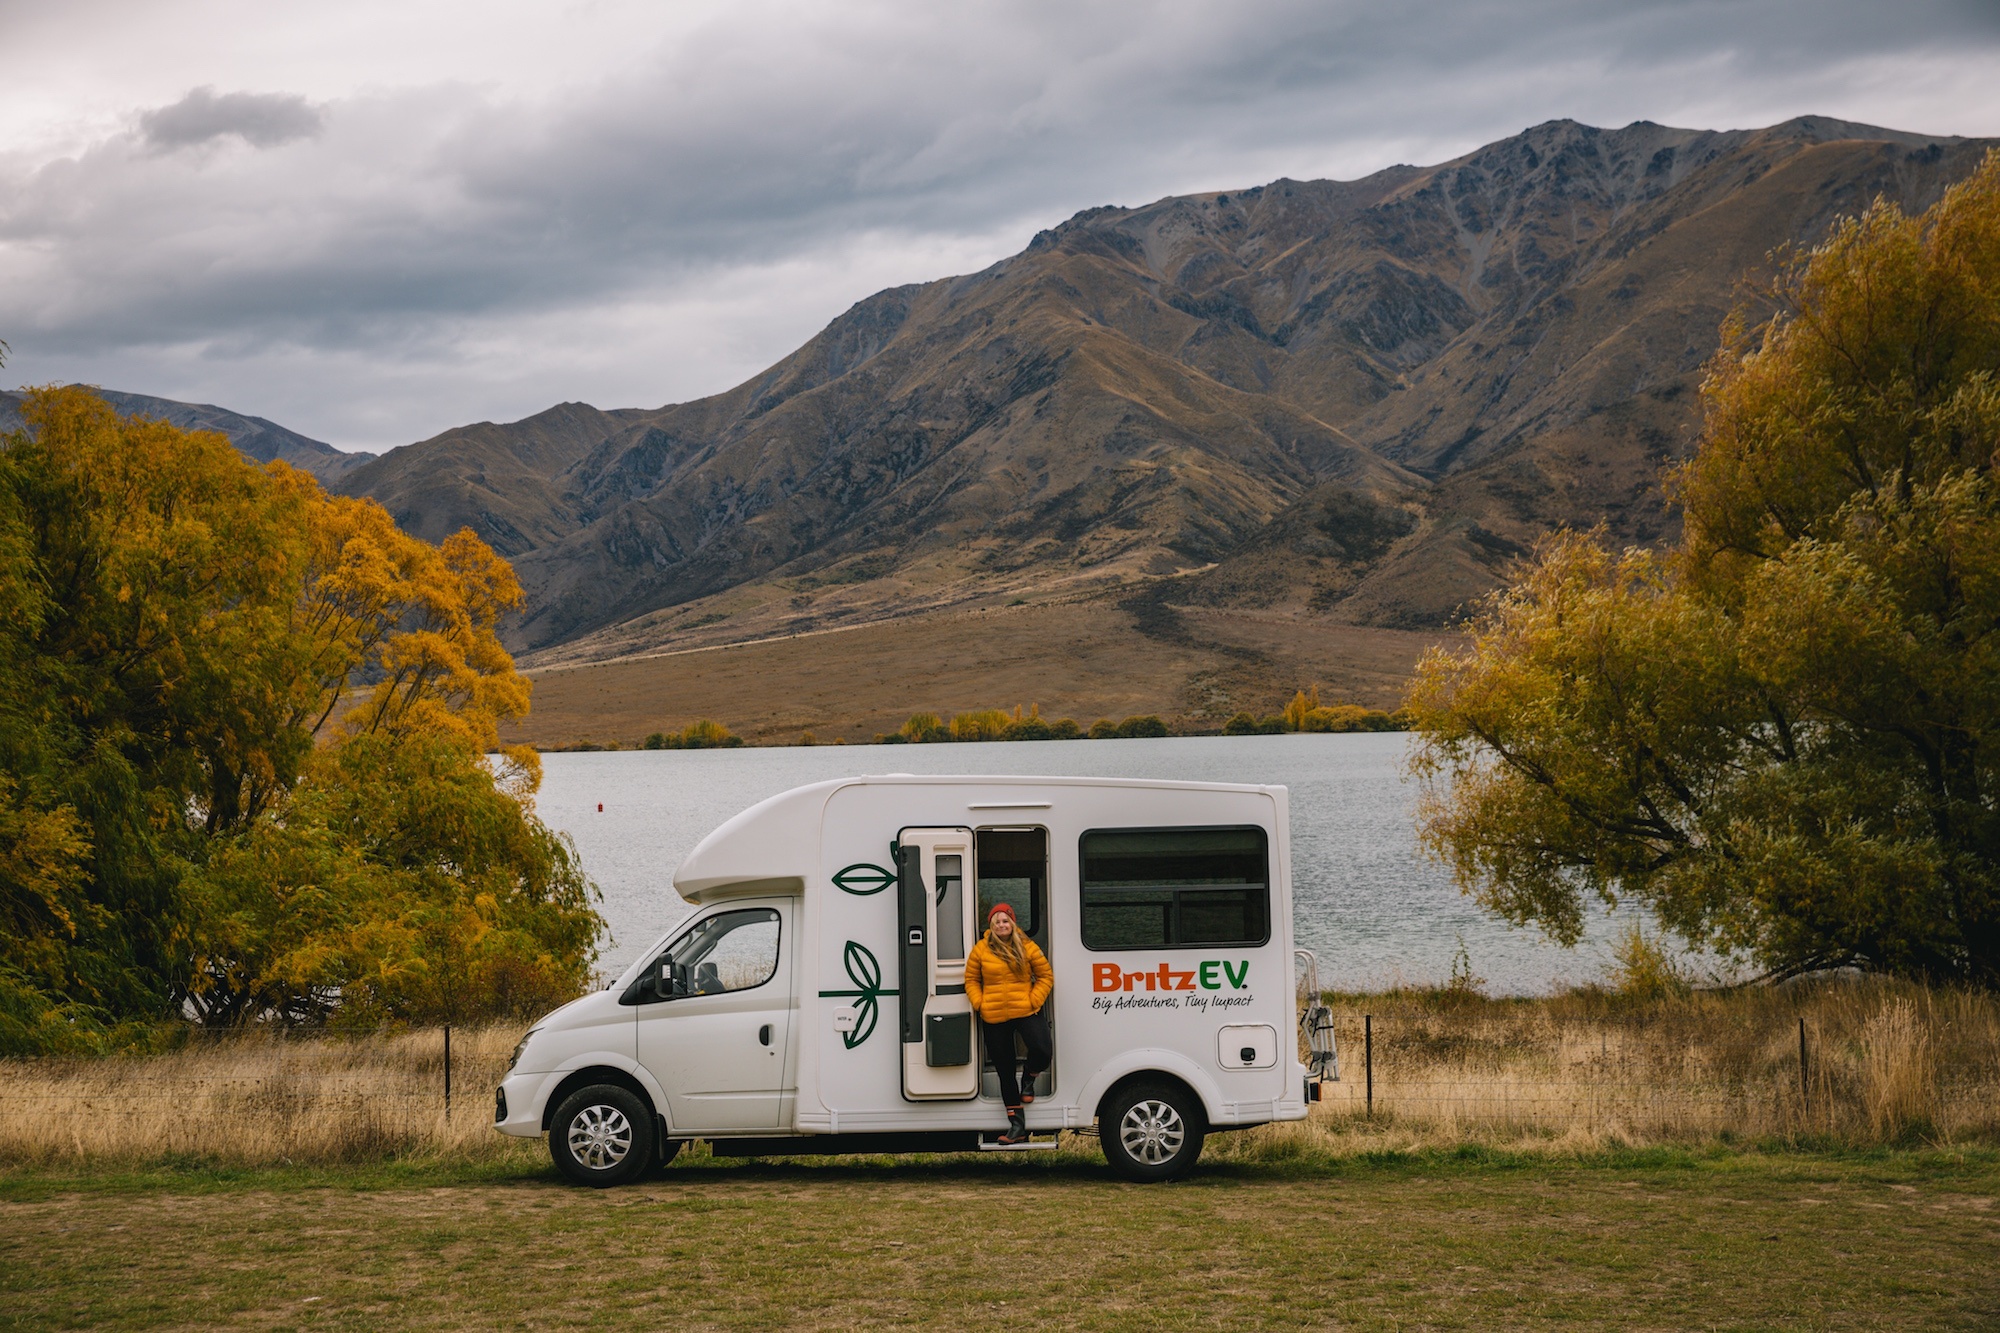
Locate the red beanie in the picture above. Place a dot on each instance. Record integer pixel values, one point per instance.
(996, 910)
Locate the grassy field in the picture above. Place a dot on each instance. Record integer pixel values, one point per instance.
(1884, 1062)
(1637, 1240)
(1585, 1159)
(1888, 1064)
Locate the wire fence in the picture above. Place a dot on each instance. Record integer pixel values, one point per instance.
(1861, 1063)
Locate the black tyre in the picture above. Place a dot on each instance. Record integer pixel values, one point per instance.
(602, 1136)
(1152, 1131)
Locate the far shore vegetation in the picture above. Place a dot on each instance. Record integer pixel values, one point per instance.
(1303, 714)
(699, 735)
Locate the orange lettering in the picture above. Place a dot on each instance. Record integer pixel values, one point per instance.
(1106, 976)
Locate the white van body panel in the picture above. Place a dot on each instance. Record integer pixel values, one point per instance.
(528, 1094)
(827, 849)
(775, 839)
(1150, 1059)
(592, 1024)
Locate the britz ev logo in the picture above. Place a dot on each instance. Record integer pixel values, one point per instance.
(1212, 974)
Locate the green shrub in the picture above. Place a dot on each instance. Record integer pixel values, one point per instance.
(983, 724)
(702, 735)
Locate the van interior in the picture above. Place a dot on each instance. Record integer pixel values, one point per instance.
(1011, 865)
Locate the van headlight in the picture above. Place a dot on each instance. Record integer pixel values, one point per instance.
(521, 1046)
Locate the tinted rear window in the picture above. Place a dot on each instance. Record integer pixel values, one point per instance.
(1175, 887)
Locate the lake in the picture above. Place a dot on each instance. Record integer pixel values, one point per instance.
(1364, 898)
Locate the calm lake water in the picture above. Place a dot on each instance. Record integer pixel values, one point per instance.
(1366, 901)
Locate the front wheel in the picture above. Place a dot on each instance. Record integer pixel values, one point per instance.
(602, 1136)
(1151, 1131)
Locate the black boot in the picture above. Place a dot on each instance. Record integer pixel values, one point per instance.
(1017, 1126)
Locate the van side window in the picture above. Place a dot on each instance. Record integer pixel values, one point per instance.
(1166, 888)
(729, 951)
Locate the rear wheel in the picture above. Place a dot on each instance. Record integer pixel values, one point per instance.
(602, 1136)
(1151, 1131)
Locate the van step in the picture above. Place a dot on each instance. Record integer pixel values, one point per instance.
(1032, 1145)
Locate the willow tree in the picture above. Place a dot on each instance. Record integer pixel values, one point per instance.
(200, 660)
(1782, 735)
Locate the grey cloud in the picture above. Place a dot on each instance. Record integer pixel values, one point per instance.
(263, 120)
(420, 222)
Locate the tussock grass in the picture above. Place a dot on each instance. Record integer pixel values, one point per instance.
(261, 1098)
(1887, 1063)
(1576, 1075)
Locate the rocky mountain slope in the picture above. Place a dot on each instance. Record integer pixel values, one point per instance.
(1354, 400)
(259, 439)
(1338, 401)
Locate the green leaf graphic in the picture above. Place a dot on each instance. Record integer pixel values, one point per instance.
(866, 974)
(862, 879)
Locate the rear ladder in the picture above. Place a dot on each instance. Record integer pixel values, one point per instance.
(1316, 1026)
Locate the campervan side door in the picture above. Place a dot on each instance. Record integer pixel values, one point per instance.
(936, 897)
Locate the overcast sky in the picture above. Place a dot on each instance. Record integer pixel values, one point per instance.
(376, 219)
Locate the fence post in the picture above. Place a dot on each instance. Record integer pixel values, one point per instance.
(447, 1071)
(1368, 1058)
(1804, 1092)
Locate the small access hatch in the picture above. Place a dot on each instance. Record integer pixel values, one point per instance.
(1248, 1046)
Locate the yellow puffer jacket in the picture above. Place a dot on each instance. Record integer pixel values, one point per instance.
(997, 991)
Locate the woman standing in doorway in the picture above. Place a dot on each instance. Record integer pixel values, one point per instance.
(1008, 980)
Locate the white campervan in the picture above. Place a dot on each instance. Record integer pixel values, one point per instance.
(815, 1001)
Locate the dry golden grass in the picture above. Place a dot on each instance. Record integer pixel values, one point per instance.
(261, 1098)
(1888, 1063)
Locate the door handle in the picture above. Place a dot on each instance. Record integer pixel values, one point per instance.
(764, 1034)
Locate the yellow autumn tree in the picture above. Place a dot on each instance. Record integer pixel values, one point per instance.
(245, 729)
(1783, 735)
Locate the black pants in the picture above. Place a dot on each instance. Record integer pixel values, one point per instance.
(1034, 1034)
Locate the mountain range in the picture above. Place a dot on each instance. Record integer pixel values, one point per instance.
(1343, 402)
(258, 439)
(1354, 400)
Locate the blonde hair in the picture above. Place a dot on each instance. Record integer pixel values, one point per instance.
(1010, 950)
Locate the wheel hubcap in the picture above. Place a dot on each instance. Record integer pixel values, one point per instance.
(1152, 1132)
(600, 1136)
